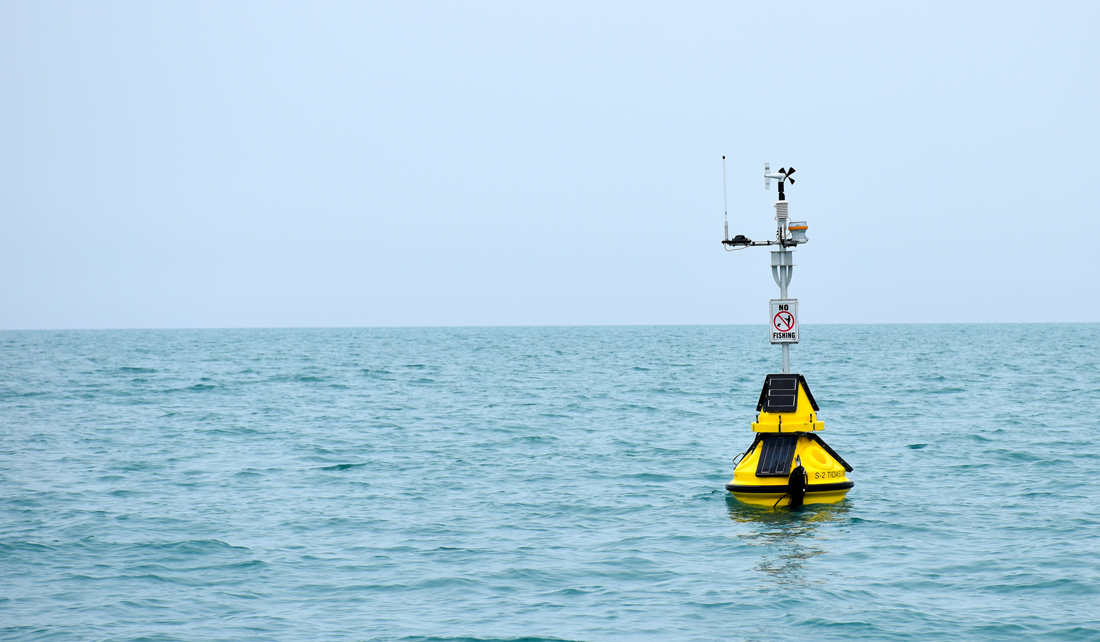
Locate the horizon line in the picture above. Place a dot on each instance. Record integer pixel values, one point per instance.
(563, 325)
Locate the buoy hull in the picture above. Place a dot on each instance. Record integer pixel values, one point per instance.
(763, 476)
(774, 496)
(789, 464)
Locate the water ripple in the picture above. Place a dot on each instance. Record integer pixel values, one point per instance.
(531, 484)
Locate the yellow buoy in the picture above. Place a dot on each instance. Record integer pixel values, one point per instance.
(788, 464)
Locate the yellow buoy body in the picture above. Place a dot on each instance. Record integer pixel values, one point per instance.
(788, 464)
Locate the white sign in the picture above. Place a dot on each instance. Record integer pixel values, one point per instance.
(783, 322)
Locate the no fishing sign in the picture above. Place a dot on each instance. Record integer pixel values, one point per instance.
(784, 321)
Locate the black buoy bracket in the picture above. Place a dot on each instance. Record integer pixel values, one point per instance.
(797, 483)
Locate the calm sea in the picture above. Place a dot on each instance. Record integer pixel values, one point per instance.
(543, 483)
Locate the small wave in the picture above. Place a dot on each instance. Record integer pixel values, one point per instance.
(196, 546)
(1068, 586)
(535, 439)
(343, 466)
(1018, 456)
(23, 545)
(125, 493)
(653, 477)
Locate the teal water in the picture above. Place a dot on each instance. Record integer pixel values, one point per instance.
(542, 483)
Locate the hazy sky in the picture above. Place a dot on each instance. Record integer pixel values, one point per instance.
(361, 164)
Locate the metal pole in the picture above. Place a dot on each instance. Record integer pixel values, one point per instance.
(784, 279)
(785, 273)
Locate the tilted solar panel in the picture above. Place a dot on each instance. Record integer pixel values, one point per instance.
(782, 394)
(776, 454)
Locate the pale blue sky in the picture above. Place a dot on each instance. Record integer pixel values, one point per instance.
(353, 164)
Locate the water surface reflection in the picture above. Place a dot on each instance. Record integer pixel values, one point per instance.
(787, 538)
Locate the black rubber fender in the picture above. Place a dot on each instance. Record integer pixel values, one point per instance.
(797, 483)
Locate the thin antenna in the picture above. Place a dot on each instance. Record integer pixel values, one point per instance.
(725, 209)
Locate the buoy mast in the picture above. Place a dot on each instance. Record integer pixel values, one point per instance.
(788, 235)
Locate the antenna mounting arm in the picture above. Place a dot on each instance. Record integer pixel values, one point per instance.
(740, 240)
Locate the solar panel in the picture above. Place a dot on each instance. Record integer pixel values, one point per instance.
(782, 394)
(776, 454)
